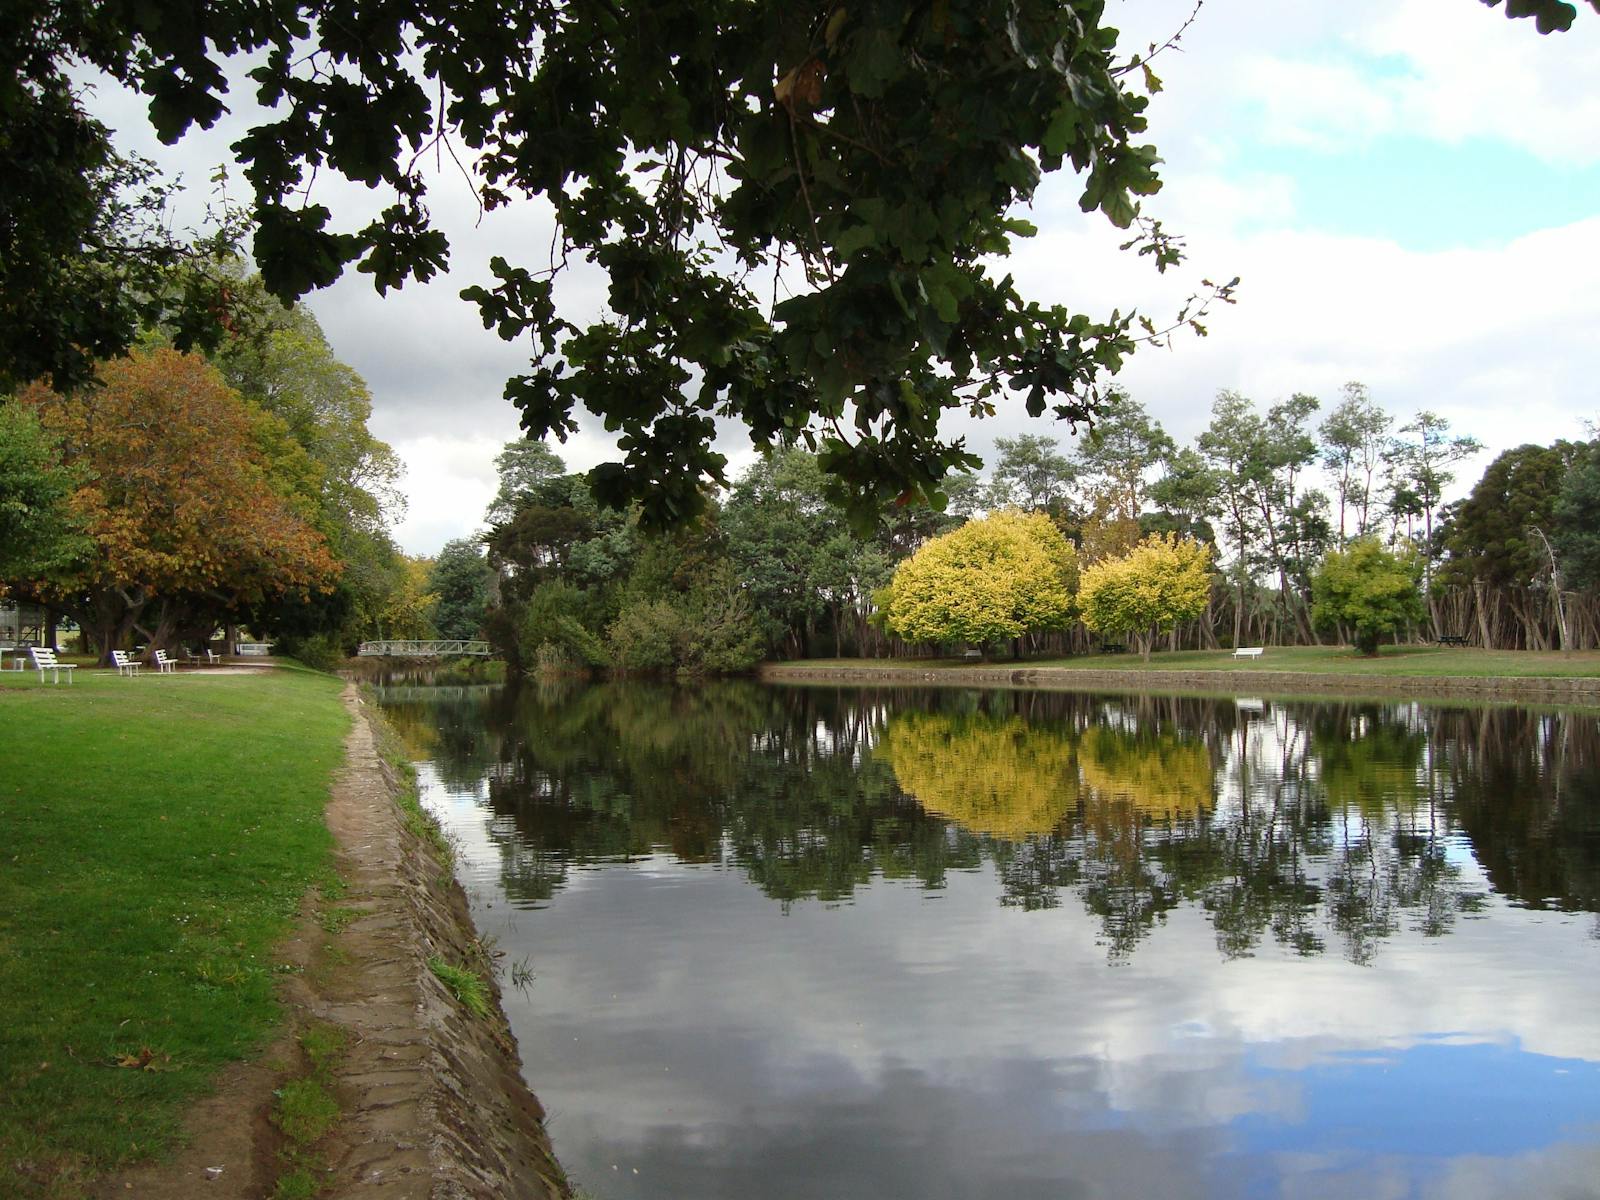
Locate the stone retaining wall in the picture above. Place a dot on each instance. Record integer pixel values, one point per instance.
(1542, 689)
(437, 1106)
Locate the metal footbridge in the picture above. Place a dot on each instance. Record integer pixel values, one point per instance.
(448, 648)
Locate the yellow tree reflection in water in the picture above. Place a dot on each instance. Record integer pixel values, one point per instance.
(993, 775)
(1153, 774)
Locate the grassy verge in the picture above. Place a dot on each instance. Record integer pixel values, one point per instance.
(305, 1110)
(1311, 660)
(418, 821)
(156, 838)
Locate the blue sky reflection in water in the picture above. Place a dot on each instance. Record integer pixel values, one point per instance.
(835, 943)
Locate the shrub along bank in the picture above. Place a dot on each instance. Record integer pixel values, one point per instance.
(156, 838)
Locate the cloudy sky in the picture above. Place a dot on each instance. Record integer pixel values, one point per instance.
(1409, 190)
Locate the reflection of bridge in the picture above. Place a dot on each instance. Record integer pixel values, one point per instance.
(391, 693)
(449, 648)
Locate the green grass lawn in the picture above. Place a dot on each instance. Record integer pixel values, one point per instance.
(156, 837)
(1317, 660)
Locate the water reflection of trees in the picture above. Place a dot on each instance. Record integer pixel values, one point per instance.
(1307, 824)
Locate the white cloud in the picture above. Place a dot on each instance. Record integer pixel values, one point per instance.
(1473, 74)
(1431, 69)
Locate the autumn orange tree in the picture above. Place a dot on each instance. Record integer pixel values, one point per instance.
(188, 517)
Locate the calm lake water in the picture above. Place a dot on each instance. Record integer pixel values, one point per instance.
(897, 943)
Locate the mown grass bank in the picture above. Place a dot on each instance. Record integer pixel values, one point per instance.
(157, 835)
(1420, 673)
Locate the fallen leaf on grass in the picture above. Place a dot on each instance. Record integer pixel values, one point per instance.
(145, 1060)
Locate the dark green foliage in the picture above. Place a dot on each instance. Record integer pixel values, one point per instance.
(462, 580)
(320, 652)
(1490, 537)
(796, 555)
(37, 531)
(530, 474)
(559, 617)
(1577, 519)
(708, 629)
(89, 259)
(1548, 15)
(882, 148)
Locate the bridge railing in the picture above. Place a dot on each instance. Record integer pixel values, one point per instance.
(441, 648)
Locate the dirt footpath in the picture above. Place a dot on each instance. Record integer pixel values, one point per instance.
(434, 1106)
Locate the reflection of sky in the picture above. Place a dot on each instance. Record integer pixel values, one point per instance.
(684, 1025)
(692, 1037)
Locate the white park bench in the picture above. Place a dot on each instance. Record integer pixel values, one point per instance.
(253, 649)
(125, 664)
(163, 663)
(1249, 651)
(45, 660)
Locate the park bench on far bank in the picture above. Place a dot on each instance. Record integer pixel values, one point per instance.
(164, 664)
(1249, 651)
(1452, 639)
(45, 660)
(125, 664)
(1113, 648)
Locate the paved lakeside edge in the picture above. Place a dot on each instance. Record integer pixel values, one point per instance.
(424, 1072)
(1542, 689)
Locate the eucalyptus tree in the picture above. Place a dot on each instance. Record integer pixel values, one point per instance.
(1354, 436)
(1118, 454)
(1185, 496)
(1032, 474)
(1292, 514)
(1422, 458)
(1230, 450)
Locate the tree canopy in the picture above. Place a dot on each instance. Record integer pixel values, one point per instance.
(1160, 582)
(993, 579)
(1370, 590)
(179, 501)
(462, 582)
(795, 207)
(1577, 515)
(37, 530)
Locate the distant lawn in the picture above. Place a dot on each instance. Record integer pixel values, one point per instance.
(156, 837)
(1314, 660)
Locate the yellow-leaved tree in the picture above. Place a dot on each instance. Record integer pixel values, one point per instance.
(1161, 582)
(1001, 577)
